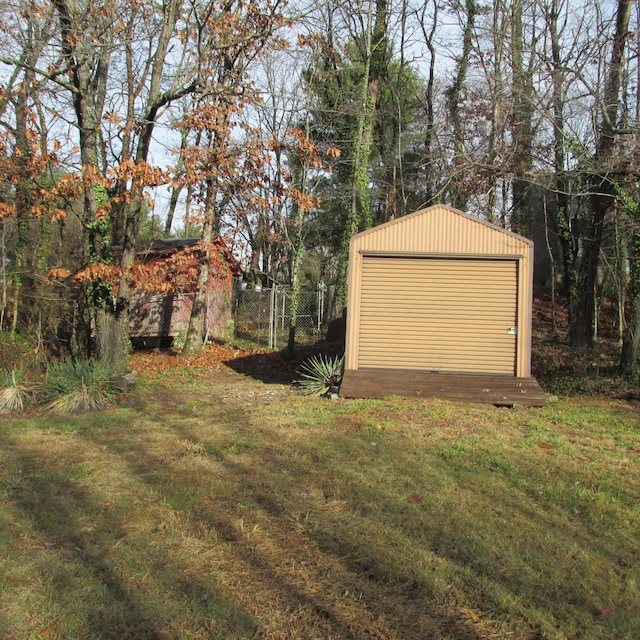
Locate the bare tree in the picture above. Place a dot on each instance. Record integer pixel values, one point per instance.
(581, 330)
(458, 191)
(28, 165)
(630, 355)
(428, 14)
(522, 120)
(249, 30)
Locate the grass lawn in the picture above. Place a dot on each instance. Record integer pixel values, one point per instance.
(211, 505)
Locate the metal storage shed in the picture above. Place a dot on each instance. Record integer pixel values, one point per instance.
(440, 292)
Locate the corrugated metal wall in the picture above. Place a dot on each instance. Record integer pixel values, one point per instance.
(501, 265)
(439, 229)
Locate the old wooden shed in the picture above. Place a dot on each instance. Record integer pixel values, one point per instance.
(440, 303)
(161, 305)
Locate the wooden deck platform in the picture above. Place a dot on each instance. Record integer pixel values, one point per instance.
(489, 389)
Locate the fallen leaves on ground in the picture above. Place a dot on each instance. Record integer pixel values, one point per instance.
(212, 357)
(263, 364)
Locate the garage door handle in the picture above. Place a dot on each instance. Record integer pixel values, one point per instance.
(512, 331)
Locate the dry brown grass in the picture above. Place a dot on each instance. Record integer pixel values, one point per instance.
(229, 508)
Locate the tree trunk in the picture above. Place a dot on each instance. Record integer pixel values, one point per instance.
(563, 216)
(176, 189)
(196, 332)
(112, 336)
(629, 253)
(127, 218)
(28, 298)
(498, 106)
(522, 127)
(430, 178)
(359, 216)
(294, 303)
(631, 339)
(459, 193)
(581, 329)
(86, 76)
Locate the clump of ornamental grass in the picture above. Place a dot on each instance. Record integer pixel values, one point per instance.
(15, 390)
(77, 386)
(321, 373)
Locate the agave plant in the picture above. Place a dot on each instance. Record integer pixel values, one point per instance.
(73, 387)
(15, 390)
(321, 373)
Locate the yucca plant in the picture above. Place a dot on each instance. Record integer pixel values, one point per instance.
(321, 373)
(73, 387)
(15, 391)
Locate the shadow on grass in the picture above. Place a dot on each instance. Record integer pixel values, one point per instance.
(253, 523)
(323, 574)
(346, 533)
(278, 367)
(87, 586)
(421, 569)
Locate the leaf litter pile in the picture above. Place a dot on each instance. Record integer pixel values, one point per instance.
(154, 363)
(258, 363)
(216, 504)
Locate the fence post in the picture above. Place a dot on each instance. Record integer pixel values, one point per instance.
(284, 308)
(322, 287)
(271, 331)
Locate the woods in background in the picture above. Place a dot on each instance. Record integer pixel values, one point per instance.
(286, 129)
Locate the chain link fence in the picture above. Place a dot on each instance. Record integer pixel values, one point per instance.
(263, 316)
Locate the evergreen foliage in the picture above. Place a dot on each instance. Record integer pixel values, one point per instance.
(73, 387)
(321, 373)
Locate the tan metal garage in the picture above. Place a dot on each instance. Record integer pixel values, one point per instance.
(438, 292)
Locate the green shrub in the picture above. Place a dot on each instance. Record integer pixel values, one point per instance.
(72, 387)
(321, 373)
